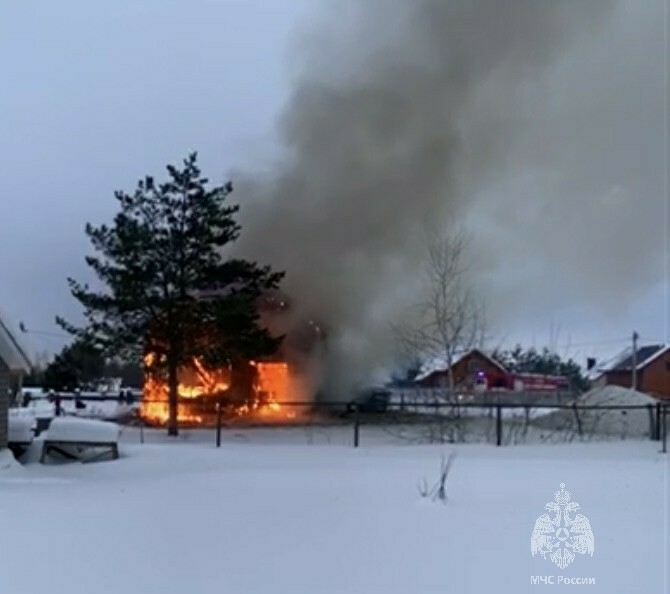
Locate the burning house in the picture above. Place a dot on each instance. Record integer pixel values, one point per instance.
(268, 388)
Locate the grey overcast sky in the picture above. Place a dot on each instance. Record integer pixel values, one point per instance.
(97, 94)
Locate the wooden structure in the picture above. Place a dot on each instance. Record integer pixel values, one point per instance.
(14, 362)
(465, 370)
(76, 450)
(652, 370)
(85, 440)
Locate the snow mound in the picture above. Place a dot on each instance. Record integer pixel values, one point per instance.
(7, 462)
(38, 409)
(616, 396)
(20, 429)
(621, 423)
(69, 429)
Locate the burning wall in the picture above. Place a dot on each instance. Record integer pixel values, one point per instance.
(202, 391)
(254, 388)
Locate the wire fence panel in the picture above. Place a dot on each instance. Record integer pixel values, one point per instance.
(434, 421)
(411, 417)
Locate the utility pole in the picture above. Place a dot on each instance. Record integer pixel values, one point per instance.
(634, 361)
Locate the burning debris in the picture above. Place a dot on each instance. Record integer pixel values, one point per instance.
(202, 392)
(262, 389)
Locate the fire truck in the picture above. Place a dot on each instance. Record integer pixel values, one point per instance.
(519, 382)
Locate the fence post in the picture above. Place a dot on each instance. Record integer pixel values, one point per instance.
(652, 427)
(357, 424)
(659, 410)
(218, 423)
(577, 418)
(664, 427)
(498, 423)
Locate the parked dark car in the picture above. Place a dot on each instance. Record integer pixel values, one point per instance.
(370, 401)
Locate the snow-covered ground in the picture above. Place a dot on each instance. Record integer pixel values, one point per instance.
(95, 409)
(299, 510)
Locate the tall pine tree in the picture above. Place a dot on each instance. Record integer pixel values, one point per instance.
(168, 288)
(545, 362)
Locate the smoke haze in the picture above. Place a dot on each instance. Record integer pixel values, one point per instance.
(538, 125)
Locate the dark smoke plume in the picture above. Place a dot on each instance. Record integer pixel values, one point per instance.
(407, 114)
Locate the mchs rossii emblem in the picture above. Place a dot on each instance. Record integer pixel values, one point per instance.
(559, 535)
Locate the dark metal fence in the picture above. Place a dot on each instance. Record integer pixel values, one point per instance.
(507, 424)
(502, 423)
(422, 418)
(413, 397)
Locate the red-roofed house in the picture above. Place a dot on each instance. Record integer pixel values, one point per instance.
(652, 370)
(466, 370)
(478, 371)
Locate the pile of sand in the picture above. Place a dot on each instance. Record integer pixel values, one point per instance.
(636, 421)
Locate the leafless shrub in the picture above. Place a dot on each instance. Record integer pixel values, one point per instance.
(438, 492)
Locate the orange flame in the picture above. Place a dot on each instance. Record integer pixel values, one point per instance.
(197, 382)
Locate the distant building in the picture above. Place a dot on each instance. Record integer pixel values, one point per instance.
(478, 371)
(466, 370)
(652, 369)
(13, 360)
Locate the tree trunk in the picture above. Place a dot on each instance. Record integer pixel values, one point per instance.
(450, 376)
(173, 400)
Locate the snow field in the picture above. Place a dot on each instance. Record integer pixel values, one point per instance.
(269, 513)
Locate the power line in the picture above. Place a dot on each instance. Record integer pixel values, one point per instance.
(594, 342)
(569, 345)
(623, 340)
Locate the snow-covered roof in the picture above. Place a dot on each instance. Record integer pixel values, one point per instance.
(659, 353)
(438, 364)
(623, 361)
(430, 367)
(593, 374)
(11, 351)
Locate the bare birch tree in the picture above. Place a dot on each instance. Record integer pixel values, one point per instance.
(449, 319)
